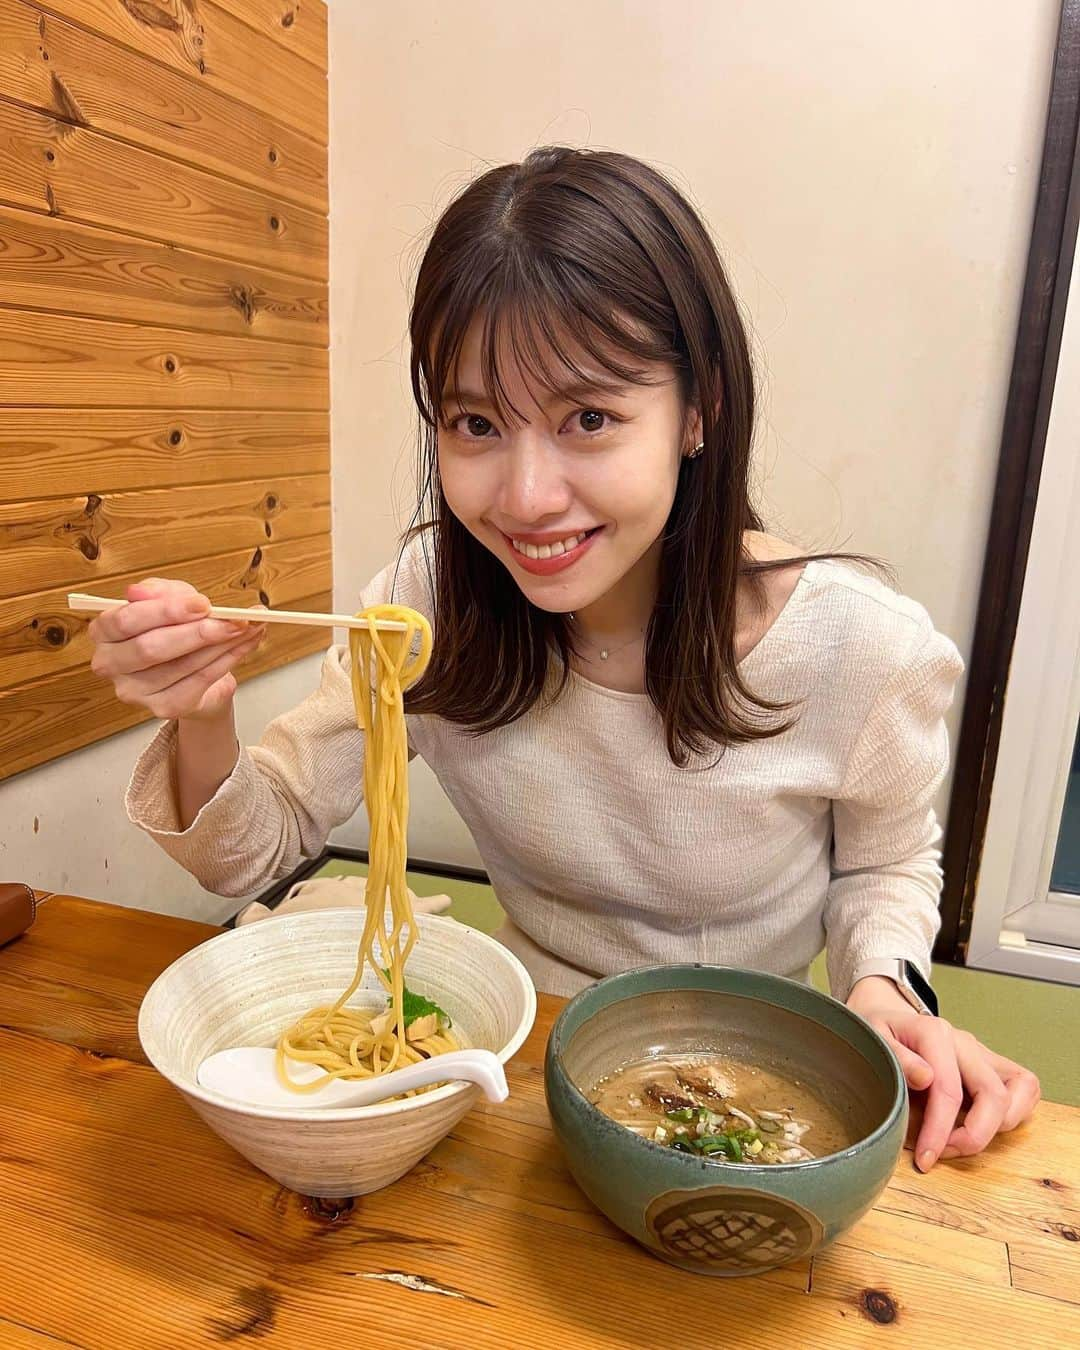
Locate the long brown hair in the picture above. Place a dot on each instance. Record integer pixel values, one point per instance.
(599, 248)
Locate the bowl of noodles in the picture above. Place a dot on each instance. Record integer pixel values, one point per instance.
(345, 994)
(729, 1120)
(251, 985)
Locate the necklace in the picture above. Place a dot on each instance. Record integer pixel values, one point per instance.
(605, 652)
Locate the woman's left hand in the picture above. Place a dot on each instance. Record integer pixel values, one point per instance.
(951, 1067)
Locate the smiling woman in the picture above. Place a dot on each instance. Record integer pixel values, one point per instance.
(672, 740)
(584, 380)
(592, 468)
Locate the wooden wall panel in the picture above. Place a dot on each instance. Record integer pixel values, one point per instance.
(78, 541)
(299, 25)
(54, 715)
(40, 636)
(213, 47)
(50, 358)
(82, 79)
(164, 373)
(48, 263)
(70, 171)
(116, 450)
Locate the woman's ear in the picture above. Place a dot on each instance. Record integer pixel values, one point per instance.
(692, 442)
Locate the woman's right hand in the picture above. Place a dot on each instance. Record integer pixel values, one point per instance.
(162, 653)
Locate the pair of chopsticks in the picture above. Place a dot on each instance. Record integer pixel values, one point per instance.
(98, 604)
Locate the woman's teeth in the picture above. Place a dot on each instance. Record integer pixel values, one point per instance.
(555, 550)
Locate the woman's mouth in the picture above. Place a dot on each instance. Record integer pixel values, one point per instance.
(553, 555)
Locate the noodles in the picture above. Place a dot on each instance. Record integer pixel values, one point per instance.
(363, 1042)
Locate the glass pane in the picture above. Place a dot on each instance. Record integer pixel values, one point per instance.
(1066, 873)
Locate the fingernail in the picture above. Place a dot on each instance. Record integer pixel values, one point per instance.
(217, 630)
(926, 1159)
(196, 605)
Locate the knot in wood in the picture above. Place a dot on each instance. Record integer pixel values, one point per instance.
(329, 1210)
(878, 1306)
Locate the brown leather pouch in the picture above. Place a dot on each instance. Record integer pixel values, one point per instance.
(17, 909)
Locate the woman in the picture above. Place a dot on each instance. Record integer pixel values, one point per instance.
(671, 739)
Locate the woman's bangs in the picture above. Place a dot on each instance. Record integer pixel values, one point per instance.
(541, 335)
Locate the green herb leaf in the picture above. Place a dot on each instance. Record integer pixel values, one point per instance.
(414, 1006)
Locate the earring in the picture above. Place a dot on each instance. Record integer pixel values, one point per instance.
(693, 454)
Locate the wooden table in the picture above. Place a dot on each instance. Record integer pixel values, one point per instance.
(125, 1224)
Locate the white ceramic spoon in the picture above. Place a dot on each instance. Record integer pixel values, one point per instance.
(248, 1073)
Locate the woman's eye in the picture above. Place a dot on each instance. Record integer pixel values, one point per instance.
(591, 420)
(475, 427)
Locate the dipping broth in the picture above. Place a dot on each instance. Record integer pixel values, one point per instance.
(722, 1110)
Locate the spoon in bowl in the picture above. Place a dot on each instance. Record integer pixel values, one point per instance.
(248, 1073)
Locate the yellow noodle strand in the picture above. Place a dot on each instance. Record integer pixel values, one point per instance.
(343, 1041)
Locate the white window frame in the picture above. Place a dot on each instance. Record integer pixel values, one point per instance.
(1019, 926)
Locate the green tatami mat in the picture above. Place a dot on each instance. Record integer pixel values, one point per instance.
(1026, 1020)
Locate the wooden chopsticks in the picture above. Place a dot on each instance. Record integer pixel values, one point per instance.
(98, 604)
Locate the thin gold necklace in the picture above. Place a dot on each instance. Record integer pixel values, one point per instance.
(605, 652)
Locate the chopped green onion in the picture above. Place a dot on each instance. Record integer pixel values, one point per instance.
(685, 1114)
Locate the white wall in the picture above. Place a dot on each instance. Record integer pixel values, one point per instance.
(869, 174)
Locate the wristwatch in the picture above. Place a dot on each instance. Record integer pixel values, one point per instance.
(907, 977)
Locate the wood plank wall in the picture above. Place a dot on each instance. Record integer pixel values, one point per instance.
(164, 376)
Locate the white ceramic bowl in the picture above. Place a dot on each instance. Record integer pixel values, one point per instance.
(244, 986)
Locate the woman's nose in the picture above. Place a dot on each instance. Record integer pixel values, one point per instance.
(535, 485)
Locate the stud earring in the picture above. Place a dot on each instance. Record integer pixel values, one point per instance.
(693, 454)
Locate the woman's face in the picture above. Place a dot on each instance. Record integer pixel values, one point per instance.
(573, 498)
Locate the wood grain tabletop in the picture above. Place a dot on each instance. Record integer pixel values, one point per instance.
(125, 1224)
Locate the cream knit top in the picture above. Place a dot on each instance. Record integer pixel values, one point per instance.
(605, 855)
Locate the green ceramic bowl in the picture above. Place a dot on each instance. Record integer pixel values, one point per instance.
(712, 1218)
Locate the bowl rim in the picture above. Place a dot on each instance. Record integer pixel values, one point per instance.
(294, 1114)
(758, 1171)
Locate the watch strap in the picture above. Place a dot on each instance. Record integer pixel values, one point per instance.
(907, 977)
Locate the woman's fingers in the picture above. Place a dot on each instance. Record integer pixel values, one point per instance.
(1022, 1087)
(933, 1039)
(988, 1095)
(191, 693)
(163, 652)
(160, 646)
(218, 695)
(144, 682)
(917, 1072)
(157, 609)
